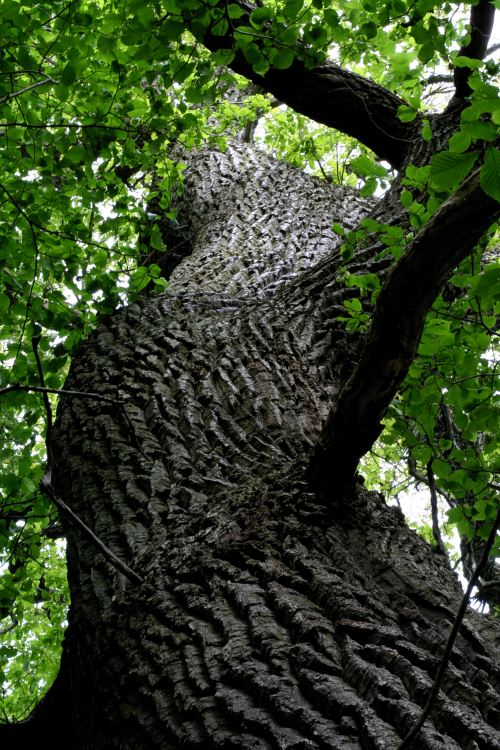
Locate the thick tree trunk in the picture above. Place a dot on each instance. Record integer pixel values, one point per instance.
(267, 616)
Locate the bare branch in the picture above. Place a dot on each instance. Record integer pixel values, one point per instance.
(14, 94)
(492, 49)
(410, 738)
(421, 479)
(59, 391)
(436, 531)
(115, 561)
(439, 78)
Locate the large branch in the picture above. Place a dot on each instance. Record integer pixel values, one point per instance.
(482, 17)
(398, 320)
(333, 96)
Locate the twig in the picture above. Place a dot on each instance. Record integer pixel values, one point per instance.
(72, 125)
(115, 561)
(434, 510)
(58, 391)
(439, 78)
(413, 734)
(78, 394)
(35, 340)
(492, 49)
(53, 232)
(46, 483)
(13, 94)
(412, 471)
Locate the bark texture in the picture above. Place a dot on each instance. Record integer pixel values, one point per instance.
(268, 617)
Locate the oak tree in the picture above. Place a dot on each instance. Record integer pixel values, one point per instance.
(241, 327)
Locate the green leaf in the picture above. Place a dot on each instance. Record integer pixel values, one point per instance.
(292, 8)
(261, 15)
(490, 173)
(75, 155)
(461, 61)
(353, 305)
(427, 131)
(441, 468)
(282, 58)
(68, 75)
(4, 303)
(235, 11)
(363, 165)
(369, 30)
(448, 169)
(426, 52)
(155, 239)
(139, 279)
(406, 113)
(406, 198)
(145, 15)
(459, 142)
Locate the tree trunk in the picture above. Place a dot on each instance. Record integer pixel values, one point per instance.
(267, 616)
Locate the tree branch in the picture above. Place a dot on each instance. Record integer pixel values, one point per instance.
(15, 94)
(492, 49)
(331, 95)
(482, 17)
(436, 531)
(410, 738)
(398, 319)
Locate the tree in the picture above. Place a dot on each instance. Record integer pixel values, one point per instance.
(233, 583)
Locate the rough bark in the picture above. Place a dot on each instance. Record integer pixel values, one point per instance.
(267, 617)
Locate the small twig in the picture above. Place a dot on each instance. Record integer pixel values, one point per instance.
(58, 391)
(14, 94)
(412, 471)
(35, 340)
(78, 394)
(115, 561)
(46, 483)
(436, 531)
(413, 734)
(492, 49)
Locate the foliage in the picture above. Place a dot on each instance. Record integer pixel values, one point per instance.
(93, 97)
